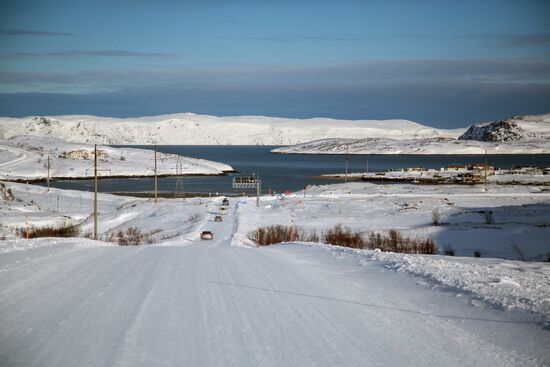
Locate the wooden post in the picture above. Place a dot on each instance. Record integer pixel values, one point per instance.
(95, 192)
(347, 158)
(485, 165)
(258, 191)
(27, 227)
(48, 179)
(292, 226)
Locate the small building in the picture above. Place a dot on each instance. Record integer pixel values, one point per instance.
(527, 170)
(457, 168)
(480, 171)
(84, 154)
(416, 169)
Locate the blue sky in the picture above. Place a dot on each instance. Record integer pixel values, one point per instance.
(442, 63)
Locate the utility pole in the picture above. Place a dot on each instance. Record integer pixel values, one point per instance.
(258, 192)
(485, 165)
(48, 179)
(347, 159)
(155, 173)
(95, 192)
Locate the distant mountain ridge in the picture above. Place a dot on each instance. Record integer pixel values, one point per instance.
(191, 129)
(527, 134)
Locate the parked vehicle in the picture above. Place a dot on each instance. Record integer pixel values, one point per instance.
(223, 210)
(225, 202)
(218, 218)
(207, 235)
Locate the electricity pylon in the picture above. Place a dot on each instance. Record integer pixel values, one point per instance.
(179, 191)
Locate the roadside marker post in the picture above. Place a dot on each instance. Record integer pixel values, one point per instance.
(292, 225)
(155, 173)
(95, 192)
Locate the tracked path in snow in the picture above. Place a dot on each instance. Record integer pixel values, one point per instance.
(210, 304)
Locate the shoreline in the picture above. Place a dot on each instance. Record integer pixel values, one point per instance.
(409, 154)
(83, 178)
(425, 180)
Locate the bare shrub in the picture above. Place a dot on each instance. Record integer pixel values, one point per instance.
(488, 217)
(121, 238)
(49, 231)
(394, 241)
(132, 237)
(311, 237)
(449, 250)
(436, 216)
(265, 236)
(343, 236)
(6, 192)
(518, 251)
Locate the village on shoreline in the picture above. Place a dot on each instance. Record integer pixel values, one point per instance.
(480, 173)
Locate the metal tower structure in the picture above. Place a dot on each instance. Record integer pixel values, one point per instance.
(179, 191)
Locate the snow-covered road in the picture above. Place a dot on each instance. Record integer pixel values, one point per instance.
(211, 304)
(19, 154)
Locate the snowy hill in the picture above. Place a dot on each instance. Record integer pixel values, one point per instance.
(518, 128)
(416, 146)
(26, 158)
(516, 135)
(188, 128)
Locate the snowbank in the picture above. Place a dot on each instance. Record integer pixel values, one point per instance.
(505, 284)
(20, 244)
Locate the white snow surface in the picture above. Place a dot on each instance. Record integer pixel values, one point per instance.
(26, 157)
(182, 301)
(417, 146)
(192, 129)
(529, 134)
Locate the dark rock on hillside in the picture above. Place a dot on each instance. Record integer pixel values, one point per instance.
(495, 131)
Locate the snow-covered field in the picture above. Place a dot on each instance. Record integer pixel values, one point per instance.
(35, 205)
(180, 301)
(26, 158)
(519, 214)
